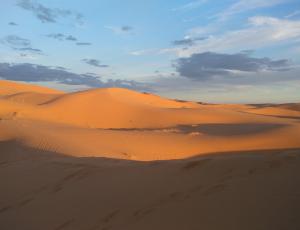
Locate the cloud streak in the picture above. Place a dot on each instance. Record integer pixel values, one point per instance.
(94, 62)
(12, 24)
(188, 41)
(20, 44)
(15, 41)
(70, 38)
(83, 43)
(293, 14)
(120, 29)
(190, 6)
(246, 5)
(29, 49)
(57, 36)
(61, 37)
(261, 32)
(47, 14)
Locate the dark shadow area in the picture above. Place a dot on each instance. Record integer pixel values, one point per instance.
(266, 115)
(215, 129)
(13, 150)
(229, 129)
(246, 190)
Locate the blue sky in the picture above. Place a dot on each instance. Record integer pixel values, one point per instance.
(231, 51)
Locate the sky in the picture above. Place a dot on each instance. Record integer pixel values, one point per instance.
(229, 51)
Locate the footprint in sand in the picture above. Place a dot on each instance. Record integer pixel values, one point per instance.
(4, 209)
(193, 164)
(214, 189)
(64, 225)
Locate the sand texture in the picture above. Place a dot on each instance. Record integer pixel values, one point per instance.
(118, 159)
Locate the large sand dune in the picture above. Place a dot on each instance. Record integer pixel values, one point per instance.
(88, 160)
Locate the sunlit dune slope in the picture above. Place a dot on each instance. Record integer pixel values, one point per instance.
(30, 98)
(109, 108)
(124, 124)
(122, 108)
(116, 108)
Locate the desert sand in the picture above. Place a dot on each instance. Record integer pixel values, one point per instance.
(118, 159)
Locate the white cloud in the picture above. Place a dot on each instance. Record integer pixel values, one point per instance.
(261, 32)
(145, 52)
(139, 52)
(246, 5)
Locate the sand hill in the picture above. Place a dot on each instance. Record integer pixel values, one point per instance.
(119, 159)
(121, 123)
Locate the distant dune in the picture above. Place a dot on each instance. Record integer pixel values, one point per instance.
(10, 87)
(118, 159)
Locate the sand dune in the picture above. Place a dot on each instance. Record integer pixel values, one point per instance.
(276, 111)
(291, 106)
(121, 108)
(31, 98)
(121, 123)
(119, 159)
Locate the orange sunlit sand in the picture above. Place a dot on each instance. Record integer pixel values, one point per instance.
(101, 146)
(124, 124)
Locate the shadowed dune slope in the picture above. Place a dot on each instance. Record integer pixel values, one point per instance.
(276, 111)
(291, 106)
(247, 190)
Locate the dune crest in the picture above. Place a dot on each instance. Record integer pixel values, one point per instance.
(11, 87)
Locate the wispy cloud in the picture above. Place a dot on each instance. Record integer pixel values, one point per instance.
(126, 28)
(12, 24)
(57, 36)
(190, 6)
(83, 43)
(15, 41)
(71, 38)
(246, 5)
(121, 29)
(144, 52)
(188, 41)
(46, 14)
(293, 14)
(20, 44)
(61, 37)
(261, 32)
(94, 62)
(30, 50)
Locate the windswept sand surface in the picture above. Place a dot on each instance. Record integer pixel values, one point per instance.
(118, 159)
